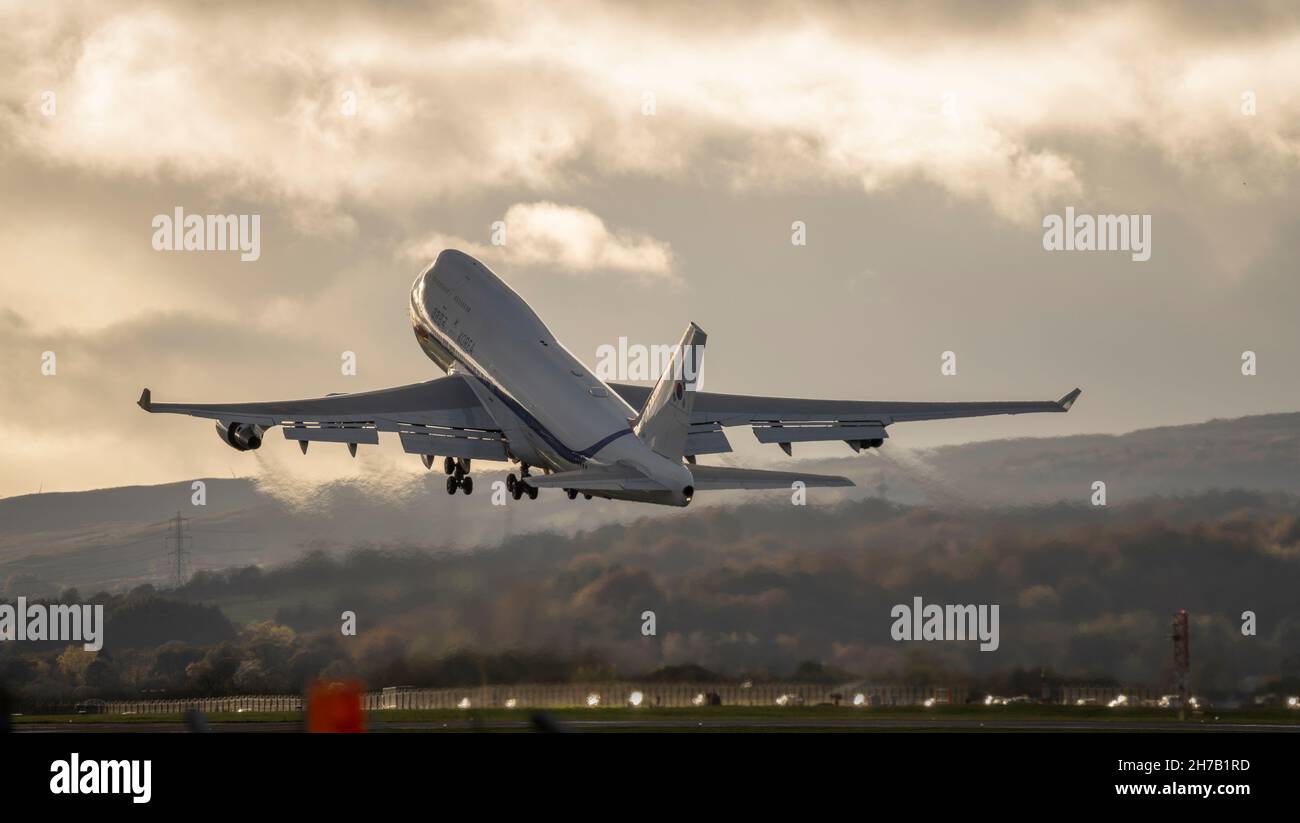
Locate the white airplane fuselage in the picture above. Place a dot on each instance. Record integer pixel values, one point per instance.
(555, 413)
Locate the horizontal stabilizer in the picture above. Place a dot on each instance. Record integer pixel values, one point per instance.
(718, 478)
(605, 479)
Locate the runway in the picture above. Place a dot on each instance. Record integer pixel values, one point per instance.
(739, 724)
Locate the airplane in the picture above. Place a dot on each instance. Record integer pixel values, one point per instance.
(513, 393)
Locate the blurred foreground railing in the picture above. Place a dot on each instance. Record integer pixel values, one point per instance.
(563, 695)
(207, 705)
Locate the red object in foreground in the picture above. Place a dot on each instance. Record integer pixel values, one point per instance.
(335, 706)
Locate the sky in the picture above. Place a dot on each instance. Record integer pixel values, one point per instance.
(649, 166)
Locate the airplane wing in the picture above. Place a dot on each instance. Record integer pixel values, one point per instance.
(438, 417)
(787, 420)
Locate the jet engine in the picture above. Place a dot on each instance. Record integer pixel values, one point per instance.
(241, 436)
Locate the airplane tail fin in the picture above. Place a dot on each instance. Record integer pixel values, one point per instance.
(665, 421)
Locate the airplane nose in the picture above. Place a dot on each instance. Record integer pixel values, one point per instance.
(451, 271)
(419, 286)
(447, 274)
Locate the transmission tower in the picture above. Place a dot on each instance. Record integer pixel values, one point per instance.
(178, 543)
(1182, 661)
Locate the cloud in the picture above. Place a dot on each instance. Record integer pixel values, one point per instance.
(921, 143)
(87, 406)
(566, 239)
(398, 105)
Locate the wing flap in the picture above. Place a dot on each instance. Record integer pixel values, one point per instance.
(811, 432)
(332, 434)
(454, 443)
(708, 438)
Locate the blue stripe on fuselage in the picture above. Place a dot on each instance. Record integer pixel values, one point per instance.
(579, 458)
(602, 443)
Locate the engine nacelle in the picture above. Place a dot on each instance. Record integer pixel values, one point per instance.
(241, 436)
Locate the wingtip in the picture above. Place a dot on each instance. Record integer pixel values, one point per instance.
(146, 400)
(1066, 402)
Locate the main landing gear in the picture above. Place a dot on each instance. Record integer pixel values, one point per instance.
(457, 470)
(519, 486)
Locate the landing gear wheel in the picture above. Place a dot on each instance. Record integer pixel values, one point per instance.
(452, 483)
(511, 482)
(586, 497)
(572, 493)
(467, 484)
(532, 492)
(518, 491)
(448, 465)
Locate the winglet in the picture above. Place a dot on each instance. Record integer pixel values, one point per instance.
(146, 400)
(1066, 402)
